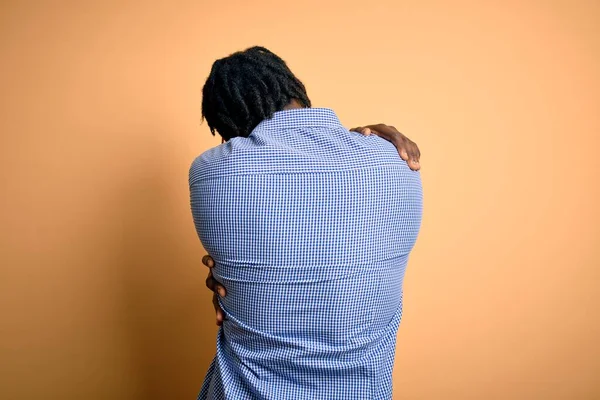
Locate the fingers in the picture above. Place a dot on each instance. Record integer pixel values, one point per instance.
(403, 153)
(408, 151)
(414, 155)
(220, 315)
(220, 290)
(362, 130)
(403, 146)
(208, 261)
(211, 282)
(213, 285)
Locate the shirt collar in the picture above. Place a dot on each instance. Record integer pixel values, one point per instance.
(299, 118)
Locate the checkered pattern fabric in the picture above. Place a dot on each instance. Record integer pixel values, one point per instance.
(310, 227)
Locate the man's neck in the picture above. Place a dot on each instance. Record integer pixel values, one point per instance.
(293, 105)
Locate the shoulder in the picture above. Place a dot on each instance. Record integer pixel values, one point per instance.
(208, 162)
(225, 159)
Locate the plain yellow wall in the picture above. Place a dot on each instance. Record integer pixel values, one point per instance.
(101, 287)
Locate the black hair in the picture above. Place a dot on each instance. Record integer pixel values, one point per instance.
(246, 88)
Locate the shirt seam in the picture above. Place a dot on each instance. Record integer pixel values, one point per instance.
(222, 175)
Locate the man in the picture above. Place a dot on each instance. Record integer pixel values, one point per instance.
(310, 227)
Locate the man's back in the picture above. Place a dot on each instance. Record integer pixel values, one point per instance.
(310, 227)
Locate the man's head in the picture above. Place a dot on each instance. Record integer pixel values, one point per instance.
(246, 88)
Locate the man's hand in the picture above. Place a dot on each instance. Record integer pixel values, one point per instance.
(215, 287)
(407, 149)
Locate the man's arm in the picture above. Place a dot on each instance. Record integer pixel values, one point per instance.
(409, 152)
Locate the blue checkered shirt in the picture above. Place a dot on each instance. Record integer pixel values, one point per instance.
(310, 227)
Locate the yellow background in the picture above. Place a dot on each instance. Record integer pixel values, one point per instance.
(101, 287)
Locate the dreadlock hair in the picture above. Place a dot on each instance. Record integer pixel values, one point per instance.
(246, 88)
